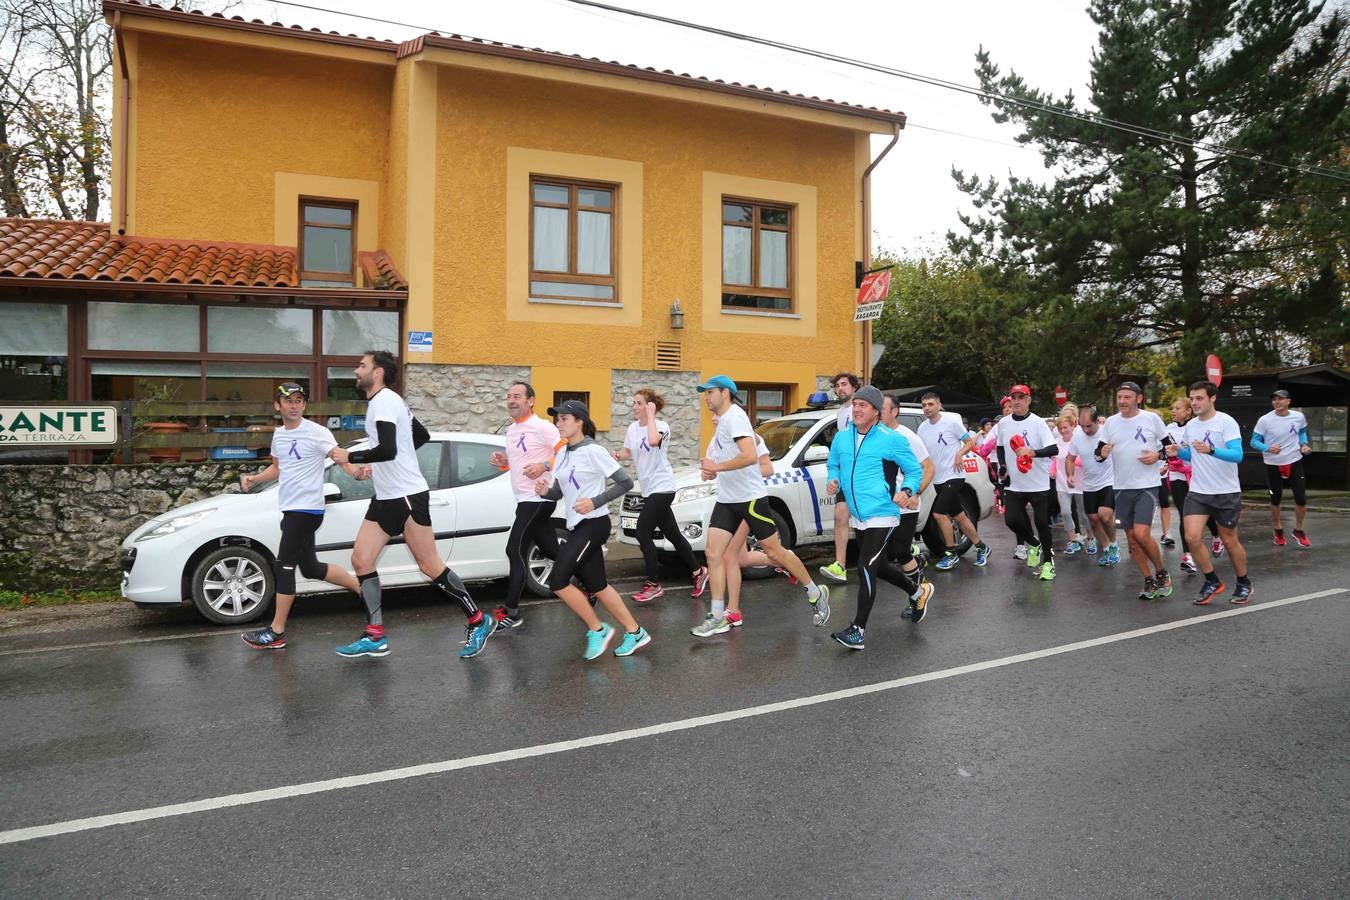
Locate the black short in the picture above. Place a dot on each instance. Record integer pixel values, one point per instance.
(947, 497)
(1102, 498)
(839, 497)
(729, 516)
(391, 515)
(582, 556)
(1165, 493)
(1298, 483)
(1226, 509)
(296, 550)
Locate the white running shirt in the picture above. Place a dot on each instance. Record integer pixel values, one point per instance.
(301, 454)
(1281, 430)
(740, 485)
(1037, 435)
(1096, 475)
(1176, 432)
(1128, 438)
(400, 476)
(1209, 474)
(1061, 470)
(943, 438)
(655, 475)
(582, 472)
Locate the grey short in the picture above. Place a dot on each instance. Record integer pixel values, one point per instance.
(1134, 506)
(1225, 508)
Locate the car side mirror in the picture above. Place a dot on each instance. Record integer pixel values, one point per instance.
(816, 454)
(331, 492)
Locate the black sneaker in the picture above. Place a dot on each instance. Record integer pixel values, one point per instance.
(851, 637)
(1168, 542)
(1242, 593)
(920, 603)
(505, 621)
(265, 639)
(1150, 590)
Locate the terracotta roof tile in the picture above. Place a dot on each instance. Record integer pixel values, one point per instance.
(380, 271)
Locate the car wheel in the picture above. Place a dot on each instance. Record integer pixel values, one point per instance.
(751, 573)
(538, 567)
(233, 585)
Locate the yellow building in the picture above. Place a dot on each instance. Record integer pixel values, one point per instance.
(590, 226)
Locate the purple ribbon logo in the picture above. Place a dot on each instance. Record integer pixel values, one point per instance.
(294, 451)
(1292, 428)
(1207, 439)
(644, 445)
(572, 477)
(521, 443)
(942, 438)
(1139, 434)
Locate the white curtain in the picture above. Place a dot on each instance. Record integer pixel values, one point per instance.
(735, 254)
(773, 264)
(550, 239)
(233, 329)
(143, 326)
(33, 329)
(593, 243)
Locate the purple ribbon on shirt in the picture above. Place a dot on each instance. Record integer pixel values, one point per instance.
(942, 438)
(1207, 439)
(572, 477)
(294, 451)
(1139, 434)
(521, 443)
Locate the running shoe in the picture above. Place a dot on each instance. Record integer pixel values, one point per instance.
(1216, 548)
(650, 590)
(948, 562)
(735, 619)
(266, 639)
(908, 611)
(1073, 547)
(1115, 554)
(700, 582)
(1301, 539)
(1242, 593)
(1187, 564)
(1150, 591)
(1164, 583)
(1279, 540)
(982, 553)
(475, 636)
(821, 615)
(1034, 558)
(710, 626)
(1092, 546)
(851, 637)
(598, 641)
(505, 621)
(365, 645)
(1047, 572)
(834, 571)
(1168, 542)
(1208, 591)
(920, 603)
(792, 579)
(1020, 552)
(632, 642)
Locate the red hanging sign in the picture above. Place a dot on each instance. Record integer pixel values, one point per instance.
(1214, 370)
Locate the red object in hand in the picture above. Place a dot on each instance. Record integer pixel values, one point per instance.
(1017, 442)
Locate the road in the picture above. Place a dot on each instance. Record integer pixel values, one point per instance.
(1025, 740)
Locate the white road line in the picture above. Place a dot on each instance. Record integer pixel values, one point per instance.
(93, 645)
(19, 835)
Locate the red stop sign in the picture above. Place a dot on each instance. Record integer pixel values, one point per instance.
(1061, 396)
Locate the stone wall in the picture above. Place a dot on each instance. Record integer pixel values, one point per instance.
(683, 410)
(63, 524)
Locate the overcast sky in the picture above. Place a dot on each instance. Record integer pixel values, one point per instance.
(1048, 42)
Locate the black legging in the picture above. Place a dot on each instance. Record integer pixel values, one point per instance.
(297, 550)
(900, 548)
(1298, 483)
(533, 522)
(1015, 516)
(655, 514)
(1180, 488)
(872, 563)
(582, 555)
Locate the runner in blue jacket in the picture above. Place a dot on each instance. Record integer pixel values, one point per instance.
(865, 460)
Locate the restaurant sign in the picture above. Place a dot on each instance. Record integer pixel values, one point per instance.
(58, 426)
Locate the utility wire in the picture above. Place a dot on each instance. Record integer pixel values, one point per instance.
(981, 93)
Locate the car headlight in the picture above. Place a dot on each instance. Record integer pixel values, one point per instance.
(697, 492)
(177, 523)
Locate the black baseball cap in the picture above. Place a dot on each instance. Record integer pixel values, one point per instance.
(1130, 386)
(1281, 393)
(573, 408)
(290, 389)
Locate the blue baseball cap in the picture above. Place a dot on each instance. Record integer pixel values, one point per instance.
(717, 381)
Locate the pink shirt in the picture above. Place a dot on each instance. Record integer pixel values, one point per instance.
(531, 440)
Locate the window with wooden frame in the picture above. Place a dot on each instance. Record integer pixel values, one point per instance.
(573, 240)
(561, 397)
(327, 243)
(764, 401)
(756, 255)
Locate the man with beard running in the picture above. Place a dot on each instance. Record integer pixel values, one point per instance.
(1134, 439)
(401, 505)
(845, 386)
(1025, 446)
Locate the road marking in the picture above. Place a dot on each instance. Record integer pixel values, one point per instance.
(287, 792)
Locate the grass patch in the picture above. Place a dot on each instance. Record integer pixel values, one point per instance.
(17, 600)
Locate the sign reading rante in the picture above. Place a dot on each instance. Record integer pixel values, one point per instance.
(55, 426)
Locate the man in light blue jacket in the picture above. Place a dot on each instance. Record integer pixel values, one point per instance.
(865, 460)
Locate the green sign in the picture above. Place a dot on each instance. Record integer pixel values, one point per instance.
(58, 426)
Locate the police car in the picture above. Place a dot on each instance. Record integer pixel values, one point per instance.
(799, 445)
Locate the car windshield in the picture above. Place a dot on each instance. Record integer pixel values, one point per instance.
(781, 434)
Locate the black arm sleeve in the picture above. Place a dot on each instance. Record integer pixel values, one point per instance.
(420, 433)
(1002, 461)
(554, 492)
(622, 485)
(384, 451)
(1050, 450)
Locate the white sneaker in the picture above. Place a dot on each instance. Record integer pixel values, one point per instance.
(710, 626)
(1187, 564)
(1216, 547)
(821, 608)
(1020, 552)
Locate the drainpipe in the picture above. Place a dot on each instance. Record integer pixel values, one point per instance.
(867, 246)
(123, 129)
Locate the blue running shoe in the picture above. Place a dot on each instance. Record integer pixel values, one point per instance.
(1242, 593)
(633, 642)
(982, 554)
(598, 641)
(365, 645)
(851, 637)
(1073, 547)
(948, 562)
(1092, 546)
(475, 636)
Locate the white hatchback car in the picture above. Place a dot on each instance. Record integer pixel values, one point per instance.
(799, 445)
(218, 553)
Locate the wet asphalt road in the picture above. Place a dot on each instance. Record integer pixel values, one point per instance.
(1200, 761)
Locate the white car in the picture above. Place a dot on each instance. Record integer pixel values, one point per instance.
(218, 553)
(799, 445)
